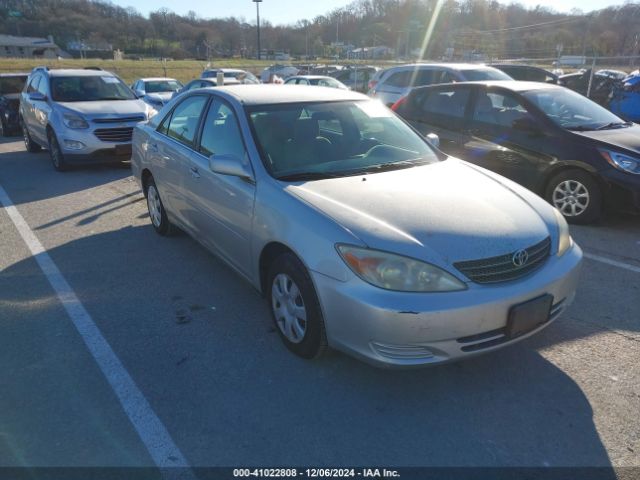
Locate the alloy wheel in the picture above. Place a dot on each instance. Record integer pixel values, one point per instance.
(571, 198)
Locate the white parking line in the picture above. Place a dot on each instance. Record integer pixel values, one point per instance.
(615, 263)
(152, 432)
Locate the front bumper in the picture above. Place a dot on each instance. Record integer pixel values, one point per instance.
(85, 146)
(624, 188)
(413, 329)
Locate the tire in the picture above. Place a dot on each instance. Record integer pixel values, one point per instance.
(157, 213)
(295, 308)
(56, 155)
(577, 195)
(30, 145)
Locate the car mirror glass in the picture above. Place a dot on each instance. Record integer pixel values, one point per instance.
(37, 97)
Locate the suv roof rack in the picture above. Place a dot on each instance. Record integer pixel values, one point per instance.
(93, 68)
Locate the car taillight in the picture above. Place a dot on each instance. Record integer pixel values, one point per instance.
(398, 104)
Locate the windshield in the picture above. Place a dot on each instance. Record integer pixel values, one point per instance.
(9, 85)
(330, 139)
(571, 110)
(89, 89)
(158, 86)
(481, 74)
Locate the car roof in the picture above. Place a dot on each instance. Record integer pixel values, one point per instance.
(156, 79)
(514, 85)
(78, 72)
(224, 70)
(268, 94)
(452, 66)
(310, 77)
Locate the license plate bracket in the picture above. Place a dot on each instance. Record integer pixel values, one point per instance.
(528, 315)
(124, 149)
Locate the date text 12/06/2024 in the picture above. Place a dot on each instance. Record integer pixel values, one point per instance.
(315, 473)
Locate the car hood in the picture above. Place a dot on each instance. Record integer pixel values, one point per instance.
(107, 108)
(626, 138)
(442, 213)
(160, 96)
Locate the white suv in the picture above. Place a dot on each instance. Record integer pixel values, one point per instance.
(396, 82)
(80, 116)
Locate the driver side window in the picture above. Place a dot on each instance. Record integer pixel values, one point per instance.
(498, 110)
(221, 133)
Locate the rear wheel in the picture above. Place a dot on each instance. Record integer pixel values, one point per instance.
(157, 213)
(295, 307)
(29, 144)
(57, 157)
(577, 195)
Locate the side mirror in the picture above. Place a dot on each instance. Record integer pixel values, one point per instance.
(433, 139)
(527, 125)
(230, 164)
(139, 93)
(37, 97)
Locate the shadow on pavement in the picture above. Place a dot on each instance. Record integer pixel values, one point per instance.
(199, 342)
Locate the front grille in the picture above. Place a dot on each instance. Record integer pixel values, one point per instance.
(135, 118)
(123, 134)
(502, 267)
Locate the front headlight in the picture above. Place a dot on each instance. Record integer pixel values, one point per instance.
(564, 239)
(621, 161)
(395, 272)
(71, 120)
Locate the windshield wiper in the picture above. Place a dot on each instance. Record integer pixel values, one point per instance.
(615, 125)
(384, 167)
(307, 176)
(111, 98)
(580, 128)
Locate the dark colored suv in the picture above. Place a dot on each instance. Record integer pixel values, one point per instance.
(11, 84)
(563, 146)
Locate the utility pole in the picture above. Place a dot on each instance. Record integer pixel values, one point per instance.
(257, 2)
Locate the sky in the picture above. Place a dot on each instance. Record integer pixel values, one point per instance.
(289, 11)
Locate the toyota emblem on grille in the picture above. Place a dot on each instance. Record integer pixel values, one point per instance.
(520, 258)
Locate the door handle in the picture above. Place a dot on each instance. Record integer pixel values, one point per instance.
(194, 172)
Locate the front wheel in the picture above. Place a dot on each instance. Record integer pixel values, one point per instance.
(295, 307)
(577, 195)
(57, 157)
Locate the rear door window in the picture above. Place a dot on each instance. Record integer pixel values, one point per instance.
(399, 79)
(182, 125)
(442, 107)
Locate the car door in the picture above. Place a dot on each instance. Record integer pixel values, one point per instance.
(41, 111)
(443, 111)
(222, 204)
(507, 138)
(170, 149)
(30, 109)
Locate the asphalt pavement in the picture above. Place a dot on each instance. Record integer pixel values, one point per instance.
(199, 346)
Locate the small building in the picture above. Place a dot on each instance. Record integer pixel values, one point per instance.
(28, 47)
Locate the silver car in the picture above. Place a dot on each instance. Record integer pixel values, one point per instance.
(80, 116)
(156, 91)
(360, 235)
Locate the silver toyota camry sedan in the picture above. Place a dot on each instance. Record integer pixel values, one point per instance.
(360, 235)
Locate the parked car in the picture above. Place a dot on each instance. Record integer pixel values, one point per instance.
(526, 72)
(356, 77)
(11, 84)
(601, 85)
(547, 138)
(80, 116)
(625, 98)
(615, 74)
(359, 234)
(282, 71)
(205, 82)
(396, 82)
(241, 76)
(317, 80)
(326, 69)
(156, 91)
